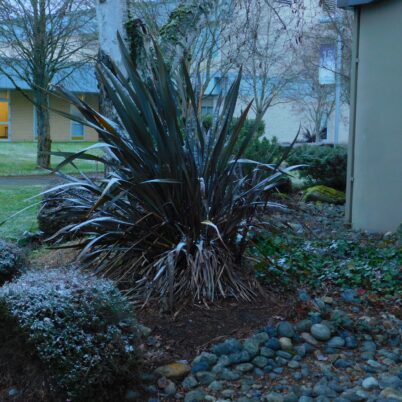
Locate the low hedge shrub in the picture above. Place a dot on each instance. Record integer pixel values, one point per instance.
(260, 148)
(81, 327)
(11, 261)
(264, 150)
(326, 165)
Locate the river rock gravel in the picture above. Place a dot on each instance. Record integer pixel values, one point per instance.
(315, 359)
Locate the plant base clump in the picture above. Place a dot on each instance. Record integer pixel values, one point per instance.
(205, 274)
(81, 327)
(11, 260)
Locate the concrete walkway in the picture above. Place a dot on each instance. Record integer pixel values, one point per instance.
(32, 180)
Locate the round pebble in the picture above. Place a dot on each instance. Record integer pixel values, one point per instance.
(320, 332)
(286, 343)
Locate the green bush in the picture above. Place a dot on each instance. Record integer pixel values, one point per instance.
(259, 148)
(81, 327)
(326, 165)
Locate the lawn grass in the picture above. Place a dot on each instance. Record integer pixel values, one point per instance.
(12, 200)
(19, 158)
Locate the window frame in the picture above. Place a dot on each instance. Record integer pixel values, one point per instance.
(73, 124)
(8, 122)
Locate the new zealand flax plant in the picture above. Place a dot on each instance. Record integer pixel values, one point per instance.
(177, 208)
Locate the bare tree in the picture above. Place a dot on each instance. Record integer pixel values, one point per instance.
(194, 30)
(268, 32)
(326, 30)
(42, 43)
(314, 100)
(335, 27)
(341, 22)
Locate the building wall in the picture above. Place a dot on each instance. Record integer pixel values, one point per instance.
(283, 121)
(22, 119)
(375, 195)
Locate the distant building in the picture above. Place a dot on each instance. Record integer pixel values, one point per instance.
(283, 119)
(374, 190)
(17, 113)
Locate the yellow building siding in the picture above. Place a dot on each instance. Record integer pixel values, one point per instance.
(22, 119)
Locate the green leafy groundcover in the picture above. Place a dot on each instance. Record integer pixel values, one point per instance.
(373, 266)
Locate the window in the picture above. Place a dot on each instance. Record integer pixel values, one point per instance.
(326, 72)
(35, 122)
(207, 110)
(324, 127)
(328, 6)
(4, 119)
(77, 129)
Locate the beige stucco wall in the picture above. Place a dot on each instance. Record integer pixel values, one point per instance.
(375, 196)
(22, 119)
(283, 121)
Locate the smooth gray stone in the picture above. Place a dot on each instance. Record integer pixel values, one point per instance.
(320, 332)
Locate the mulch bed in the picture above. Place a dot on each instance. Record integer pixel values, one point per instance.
(193, 329)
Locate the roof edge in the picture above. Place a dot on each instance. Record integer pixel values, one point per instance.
(354, 3)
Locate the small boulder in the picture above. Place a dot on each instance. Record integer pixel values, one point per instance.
(336, 342)
(168, 386)
(286, 343)
(350, 296)
(215, 386)
(370, 383)
(267, 352)
(208, 357)
(303, 326)
(273, 344)
(391, 394)
(173, 370)
(195, 396)
(285, 329)
(320, 332)
(189, 382)
(260, 361)
(227, 347)
(323, 194)
(239, 357)
(229, 375)
(244, 367)
(309, 339)
(252, 346)
(205, 377)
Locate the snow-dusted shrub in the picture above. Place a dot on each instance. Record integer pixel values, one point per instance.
(10, 260)
(82, 328)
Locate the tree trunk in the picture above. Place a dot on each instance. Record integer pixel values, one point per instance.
(106, 107)
(43, 129)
